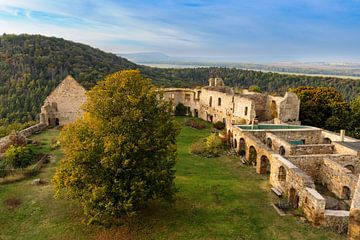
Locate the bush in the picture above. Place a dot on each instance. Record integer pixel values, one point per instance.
(219, 125)
(208, 147)
(255, 89)
(18, 156)
(195, 124)
(180, 110)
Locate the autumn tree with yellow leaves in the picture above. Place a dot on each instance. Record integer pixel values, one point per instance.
(122, 152)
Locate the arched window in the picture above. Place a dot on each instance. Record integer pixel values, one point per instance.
(282, 174)
(210, 101)
(252, 155)
(346, 193)
(264, 165)
(282, 151)
(269, 143)
(242, 147)
(350, 167)
(246, 111)
(219, 101)
(327, 141)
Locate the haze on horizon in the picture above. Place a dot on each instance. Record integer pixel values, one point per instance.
(244, 31)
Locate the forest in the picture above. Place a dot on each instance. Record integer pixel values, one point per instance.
(31, 66)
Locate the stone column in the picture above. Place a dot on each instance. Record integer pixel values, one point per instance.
(354, 223)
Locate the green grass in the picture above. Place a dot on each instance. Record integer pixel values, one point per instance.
(218, 198)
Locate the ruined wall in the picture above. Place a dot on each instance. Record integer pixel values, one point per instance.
(63, 105)
(313, 149)
(354, 221)
(311, 136)
(335, 177)
(337, 220)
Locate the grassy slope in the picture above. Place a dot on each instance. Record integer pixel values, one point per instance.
(218, 199)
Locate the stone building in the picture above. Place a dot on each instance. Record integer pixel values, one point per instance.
(218, 102)
(308, 168)
(63, 105)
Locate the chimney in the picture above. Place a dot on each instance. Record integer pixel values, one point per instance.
(342, 135)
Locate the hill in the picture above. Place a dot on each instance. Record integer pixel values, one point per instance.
(31, 66)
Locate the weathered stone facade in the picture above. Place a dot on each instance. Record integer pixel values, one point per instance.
(218, 102)
(63, 105)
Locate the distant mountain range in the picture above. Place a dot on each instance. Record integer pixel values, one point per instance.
(158, 59)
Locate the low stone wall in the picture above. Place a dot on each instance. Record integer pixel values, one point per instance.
(337, 220)
(313, 206)
(311, 136)
(33, 129)
(6, 141)
(313, 149)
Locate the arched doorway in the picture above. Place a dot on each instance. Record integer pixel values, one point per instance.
(235, 143)
(57, 122)
(242, 147)
(326, 141)
(252, 155)
(229, 137)
(282, 174)
(269, 143)
(273, 109)
(346, 193)
(264, 165)
(293, 198)
(282, 151)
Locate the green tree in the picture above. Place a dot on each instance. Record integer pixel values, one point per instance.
(18, 156)
(121, 153)
(180, 110)
(255, 88)
(322, 107)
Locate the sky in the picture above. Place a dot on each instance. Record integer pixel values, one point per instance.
(224, 30)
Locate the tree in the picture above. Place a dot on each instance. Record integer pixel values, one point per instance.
(254, 88)
(18, 156)
(180, 110)
(121, 153)
(322, 107)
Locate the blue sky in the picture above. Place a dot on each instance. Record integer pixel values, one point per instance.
(234, 30)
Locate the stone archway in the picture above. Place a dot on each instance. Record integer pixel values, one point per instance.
(282, 151)
(265, 166)
(350, 167)
(269, 143)
(242, 147)
(346, 193)
(252, 155)
(293, 198)
(235, 143)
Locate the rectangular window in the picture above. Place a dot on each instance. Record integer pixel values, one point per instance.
(187, 97)
(219, 101)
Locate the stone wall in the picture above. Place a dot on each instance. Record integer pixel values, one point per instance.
(313, 149)
(354, 221)
(337, 220)
(310, 136)
(335, 177)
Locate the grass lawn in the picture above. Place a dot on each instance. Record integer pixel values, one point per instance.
(218, 198)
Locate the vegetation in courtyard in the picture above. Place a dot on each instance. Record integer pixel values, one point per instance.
(121, 154)
(211, 146)
(195, 123)
(180, 110)
(218, 198)
(17, 157)
(255, 88)
(219, 125)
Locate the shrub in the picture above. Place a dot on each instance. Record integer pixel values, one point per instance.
(219, 125)
(180, 110)
(208, 147)
(255, 89)
(195, 124)
(18, 156)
